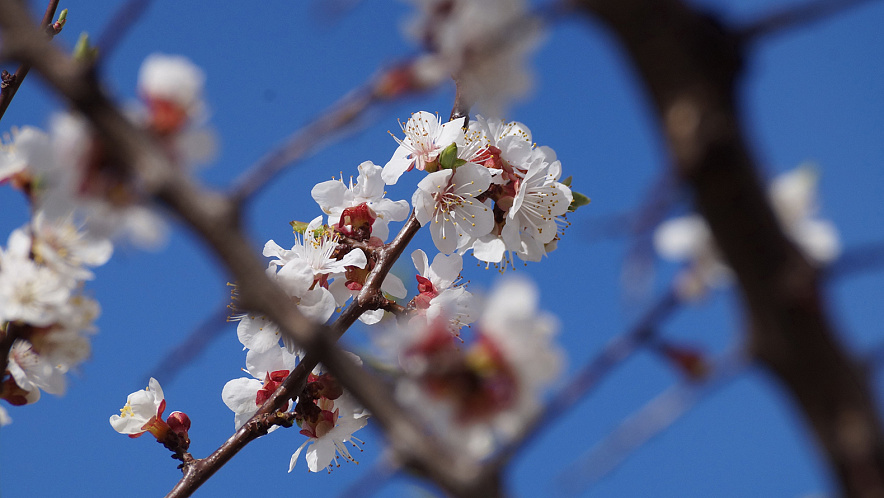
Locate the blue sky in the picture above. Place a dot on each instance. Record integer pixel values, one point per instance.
(811, 94)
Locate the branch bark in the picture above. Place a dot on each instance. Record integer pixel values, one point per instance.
(690, 65)
(10, 88)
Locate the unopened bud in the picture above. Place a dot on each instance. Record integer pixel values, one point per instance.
(179, 422)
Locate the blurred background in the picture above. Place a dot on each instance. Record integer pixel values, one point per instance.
(810, 94)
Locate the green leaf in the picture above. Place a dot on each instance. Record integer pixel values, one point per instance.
(579, 200)
(448, 157)
(567, 181)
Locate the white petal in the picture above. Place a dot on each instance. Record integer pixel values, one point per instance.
(295, 277)
(421, 262)
(393, 286)
(397, 165)
(819, 239)
(296, 454)
(490, 248)
(320, 454)
(240, 395)
(329, 194)
(317, 305)
(445, 270)
(257, 333)
(371, 317)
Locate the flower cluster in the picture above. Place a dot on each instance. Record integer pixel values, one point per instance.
(70, 171)
(793, 196)
(324, 412)
(42, 302)
(490, 189)
(482, 392)
(79, 202)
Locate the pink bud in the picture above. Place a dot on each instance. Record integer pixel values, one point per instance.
(179, 422)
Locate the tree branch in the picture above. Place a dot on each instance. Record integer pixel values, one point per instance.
(650, 420)
(124, 18)
(792, 17)
(395, 82)
(11, 85)
(690, 65)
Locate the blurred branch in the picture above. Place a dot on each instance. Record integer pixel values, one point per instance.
(396, 81)
(661, 197)
(189, 349)
(11, 83)
(652, 419)
(795, 16)
(205, 212)
(124, 18)
(690, 65)
(303, 142)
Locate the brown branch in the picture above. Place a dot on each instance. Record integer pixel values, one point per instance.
(215, 218)
(189, 349)
(198, 471)
(395, 82)
(122, 21)
(690, 65)
(12, 84)
(301, 143)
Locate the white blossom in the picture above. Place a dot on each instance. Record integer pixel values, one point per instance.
(425, 138)
(172, 78)
(333, 197)
(142, 409)
(448, 199)
(29, 292)
(482, 392)
(267, 369)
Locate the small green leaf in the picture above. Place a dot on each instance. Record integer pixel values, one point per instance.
(579, 200)
(63, 16)
(567, 181)
(299, 227)
(448, 157)
(83, 50)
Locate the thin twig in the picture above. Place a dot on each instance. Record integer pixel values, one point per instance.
(303, 142)
(652, 419)
(795, 16)
(192, 346)
(122, 21)
(198, 471)
(394, 82)
(11, 87)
